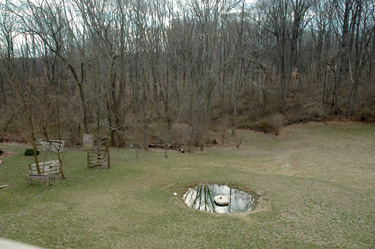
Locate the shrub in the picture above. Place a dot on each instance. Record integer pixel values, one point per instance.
(269, 124)
(367, 114)
(30, 152)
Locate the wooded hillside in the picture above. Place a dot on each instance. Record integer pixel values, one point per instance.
(176, 70)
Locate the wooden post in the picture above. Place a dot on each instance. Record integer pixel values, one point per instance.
(88, 141)
(88, 159)
(3, 186)
(109, 162)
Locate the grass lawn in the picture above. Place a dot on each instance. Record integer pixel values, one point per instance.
(316, 187)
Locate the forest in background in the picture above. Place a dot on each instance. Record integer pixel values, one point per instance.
(134, 70)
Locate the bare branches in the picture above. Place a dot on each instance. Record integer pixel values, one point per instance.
(191, 62)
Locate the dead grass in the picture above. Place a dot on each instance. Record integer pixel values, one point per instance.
(315, 185)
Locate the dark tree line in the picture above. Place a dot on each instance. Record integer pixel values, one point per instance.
(115, 64)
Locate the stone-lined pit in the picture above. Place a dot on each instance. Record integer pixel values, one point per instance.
(218, 198)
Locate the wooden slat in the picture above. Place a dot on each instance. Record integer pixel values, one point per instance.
(33, 172)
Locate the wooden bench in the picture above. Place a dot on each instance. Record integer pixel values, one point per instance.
(48, 170)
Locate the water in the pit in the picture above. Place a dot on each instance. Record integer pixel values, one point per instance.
(218, 199)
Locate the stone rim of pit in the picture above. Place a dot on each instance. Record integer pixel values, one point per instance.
(221, 200)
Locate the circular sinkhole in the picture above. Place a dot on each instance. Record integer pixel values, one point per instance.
(218, 199)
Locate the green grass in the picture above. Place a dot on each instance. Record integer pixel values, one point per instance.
(316, 187)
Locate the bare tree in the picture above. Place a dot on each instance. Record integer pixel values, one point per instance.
(133, 64)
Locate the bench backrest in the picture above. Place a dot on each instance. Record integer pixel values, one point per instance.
(53, 145)
(46, 168)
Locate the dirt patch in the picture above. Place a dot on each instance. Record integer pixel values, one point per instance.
(7, 154)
